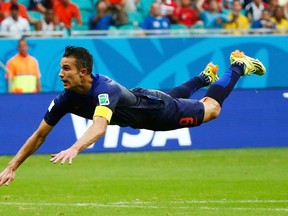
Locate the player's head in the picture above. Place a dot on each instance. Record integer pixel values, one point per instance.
(82, 57)
(23, 46)
(76, 68)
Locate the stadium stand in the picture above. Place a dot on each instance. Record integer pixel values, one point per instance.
(134, 18)
(84, 4)
(24, 2)
(85, 14)
(35, 14)
(179, 27)
(144, 7)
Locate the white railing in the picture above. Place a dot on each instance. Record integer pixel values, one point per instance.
(37, 34)
(176, 32)
(200, 32)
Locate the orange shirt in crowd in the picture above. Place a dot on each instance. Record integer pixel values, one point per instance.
(1, 12)
(66, 14)
(22, 10)
(115, 1)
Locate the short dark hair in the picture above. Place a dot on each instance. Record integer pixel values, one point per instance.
(23, 38)
(14, 7)
(82, 56)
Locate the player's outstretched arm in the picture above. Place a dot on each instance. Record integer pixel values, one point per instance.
(93, 133)
(30, 146)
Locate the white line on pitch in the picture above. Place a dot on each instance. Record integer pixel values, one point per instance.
(204, 201)
(138, 204)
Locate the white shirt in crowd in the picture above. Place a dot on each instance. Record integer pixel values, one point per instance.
(10, 25)
(47, 28)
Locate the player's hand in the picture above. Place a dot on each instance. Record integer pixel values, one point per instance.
(7, 176)
(63, 156)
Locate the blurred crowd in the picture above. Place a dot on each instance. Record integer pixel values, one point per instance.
(48, 16)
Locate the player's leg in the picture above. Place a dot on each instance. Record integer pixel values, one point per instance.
(205, 78)
(241, 65)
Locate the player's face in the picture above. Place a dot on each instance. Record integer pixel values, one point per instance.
(23, 47)
(69, 74)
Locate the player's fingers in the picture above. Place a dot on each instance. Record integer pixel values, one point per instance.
(3, 178)
(70, 160)
(9, 181)
(56, 158)
(64, 159)
(2, 181)
(6, 180)
(53, 157)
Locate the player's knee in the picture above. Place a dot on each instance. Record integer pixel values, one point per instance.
(215, 111)
(212, 109)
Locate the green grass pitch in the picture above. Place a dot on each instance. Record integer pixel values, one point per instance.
(236, 182)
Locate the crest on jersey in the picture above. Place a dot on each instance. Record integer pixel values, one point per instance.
(103, 99)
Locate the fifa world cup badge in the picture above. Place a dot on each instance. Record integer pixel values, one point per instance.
(103, 99)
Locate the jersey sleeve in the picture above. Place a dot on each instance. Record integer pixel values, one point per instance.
(106, 104)
(56, 110)
(107, 101)
(76, 12)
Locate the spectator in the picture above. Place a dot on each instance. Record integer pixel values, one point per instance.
(154, 21)
(47, 23)
(65, 11)
(22, 12)
(21, 8)
(118, 6)
(265, 22)
(102, 19)
(116, 2)
(212, 18)
(228, 6)
(1, 11)
(131, 5)
(284, 4)
(25, 74)
(280, 20)
(254, 10)
(236, 19)
(206, 3)
(272, 5)
(185, 14)
(40, 5)
(245, 3)
(14, 23)
(167, 8)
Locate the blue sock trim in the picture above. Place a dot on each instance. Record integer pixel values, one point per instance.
(225, 79)
(223, 87)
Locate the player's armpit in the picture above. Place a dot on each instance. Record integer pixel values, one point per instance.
(104, 112)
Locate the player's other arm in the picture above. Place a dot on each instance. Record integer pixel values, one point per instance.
(29, 147)
(93, 134)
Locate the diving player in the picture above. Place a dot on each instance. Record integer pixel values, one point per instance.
(97, 97)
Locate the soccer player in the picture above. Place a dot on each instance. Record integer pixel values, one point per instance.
(97, 97)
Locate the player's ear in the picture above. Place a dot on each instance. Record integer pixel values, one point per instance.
(83, 72)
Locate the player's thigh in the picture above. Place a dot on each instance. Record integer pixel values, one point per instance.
(191, 112)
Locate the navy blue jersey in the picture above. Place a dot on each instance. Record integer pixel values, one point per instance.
(137, 108)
